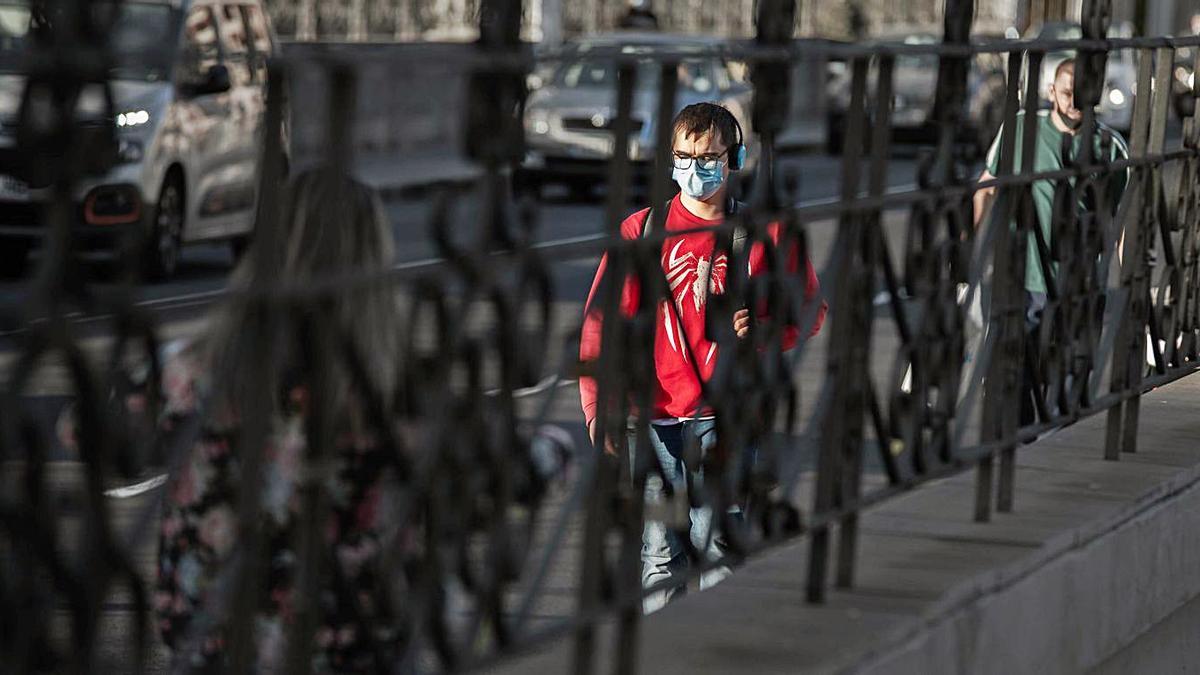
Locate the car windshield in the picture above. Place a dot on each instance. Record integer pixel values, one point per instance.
(694, 75)
(1071, 32)
(913, 61)
(143, 37)
(917, 61)
(1062, 33)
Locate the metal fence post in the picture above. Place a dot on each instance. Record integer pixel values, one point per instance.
(1187, 217)
(849, 344)
(950, 112)
(1141, 217)
(611, 387)
(775, 26)
(1129, 241)
(953, 71)
(1141, 311)
(870, 244)
(266, 260)
(1007, 318)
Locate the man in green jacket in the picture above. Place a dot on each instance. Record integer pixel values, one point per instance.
(1063, 119)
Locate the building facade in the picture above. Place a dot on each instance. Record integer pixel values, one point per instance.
(552, 20)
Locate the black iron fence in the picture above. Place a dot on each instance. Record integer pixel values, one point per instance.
(927, 353)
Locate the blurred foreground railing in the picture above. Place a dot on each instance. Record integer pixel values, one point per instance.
(908, 391)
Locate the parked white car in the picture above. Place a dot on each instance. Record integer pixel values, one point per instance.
(189, 84)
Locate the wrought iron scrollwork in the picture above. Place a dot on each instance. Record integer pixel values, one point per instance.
(927, 354)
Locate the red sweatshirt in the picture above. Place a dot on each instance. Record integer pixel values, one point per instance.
(687, 261)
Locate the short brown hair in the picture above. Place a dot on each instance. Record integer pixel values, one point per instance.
(700, 118)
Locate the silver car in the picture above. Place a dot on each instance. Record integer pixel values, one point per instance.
(189, 88)
(914, 94)
(568, 119)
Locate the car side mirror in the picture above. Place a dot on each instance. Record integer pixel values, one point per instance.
(215, 81)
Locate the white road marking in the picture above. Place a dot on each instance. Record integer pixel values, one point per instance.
(581, 239)
(137, 488)
(169, 302)
(546, 383)
(182, 298)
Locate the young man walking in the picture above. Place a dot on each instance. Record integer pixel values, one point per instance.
(707, 145)
(1061, 124)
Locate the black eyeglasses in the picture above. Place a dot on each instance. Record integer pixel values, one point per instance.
(708, 161)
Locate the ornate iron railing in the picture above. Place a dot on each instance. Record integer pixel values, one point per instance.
(476, 482)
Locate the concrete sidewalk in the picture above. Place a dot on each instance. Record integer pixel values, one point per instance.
(1095, 555)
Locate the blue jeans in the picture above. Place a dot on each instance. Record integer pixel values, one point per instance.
(663, 551)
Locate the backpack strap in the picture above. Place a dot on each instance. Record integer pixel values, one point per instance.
(739, 232)
(731, 209)
(648, 223)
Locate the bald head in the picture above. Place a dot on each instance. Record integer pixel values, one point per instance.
(1062, 97)
(1066, 66)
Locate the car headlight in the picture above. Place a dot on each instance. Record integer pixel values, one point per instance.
(133, 118)
(537, 123)
(129, 151)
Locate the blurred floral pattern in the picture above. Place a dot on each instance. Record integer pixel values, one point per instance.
(199, 533)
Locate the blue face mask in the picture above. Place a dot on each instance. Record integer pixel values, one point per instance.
(699, 183)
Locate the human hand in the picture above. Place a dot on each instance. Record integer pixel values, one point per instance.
(610, 446)
(741, 323)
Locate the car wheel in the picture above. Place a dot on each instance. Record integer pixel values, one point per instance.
(1185, 105)
(834, 141)
(525, 184)
(238, 247)
(165, 242)
(14, 259)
